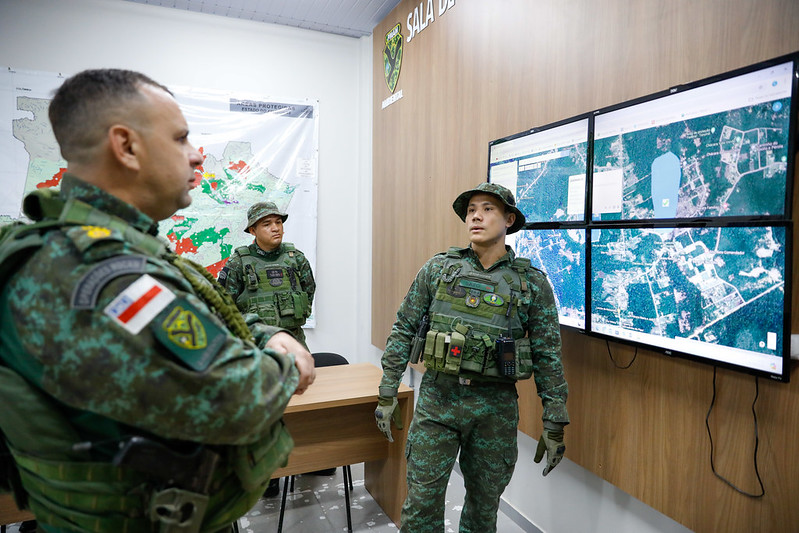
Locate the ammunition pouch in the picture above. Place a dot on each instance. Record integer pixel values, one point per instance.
(452, 352)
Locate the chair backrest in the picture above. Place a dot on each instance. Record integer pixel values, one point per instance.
(329, 359)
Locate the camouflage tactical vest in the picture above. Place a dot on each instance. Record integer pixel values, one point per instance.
(56, 479)
(272, 289)
(470, 311)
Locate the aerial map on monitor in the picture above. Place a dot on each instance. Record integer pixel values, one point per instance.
(718, 150)
(714, 292)
(560, 253)
(546, 170)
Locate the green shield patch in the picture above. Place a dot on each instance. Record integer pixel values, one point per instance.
(392, 57)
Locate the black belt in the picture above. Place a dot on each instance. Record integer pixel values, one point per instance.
(469, 382)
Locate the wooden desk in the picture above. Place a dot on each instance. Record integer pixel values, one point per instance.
(333, 424)
(9, 514)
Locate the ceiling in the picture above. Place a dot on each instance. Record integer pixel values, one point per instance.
(353, 18)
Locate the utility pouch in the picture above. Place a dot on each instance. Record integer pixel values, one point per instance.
(285, 304)
(429, 349)
(439, 351)
(255, 463)
(301, 305)
(454, 353)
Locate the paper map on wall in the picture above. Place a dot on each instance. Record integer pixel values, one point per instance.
(254, 149)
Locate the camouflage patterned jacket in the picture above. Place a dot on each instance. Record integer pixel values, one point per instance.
(540, 320)
(73, 324)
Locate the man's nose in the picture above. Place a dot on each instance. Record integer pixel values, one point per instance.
(195, 157)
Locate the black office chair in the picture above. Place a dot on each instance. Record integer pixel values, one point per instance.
(322, 359)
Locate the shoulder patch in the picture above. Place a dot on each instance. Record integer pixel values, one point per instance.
(139, 304)
(86, 236)
(85, 294)
(192, 337)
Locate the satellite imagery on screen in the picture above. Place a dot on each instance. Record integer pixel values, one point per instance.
(560, 253)
(731, 163)
(720, 286)
(545, 186)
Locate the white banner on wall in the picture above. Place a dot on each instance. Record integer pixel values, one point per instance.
(255, 148)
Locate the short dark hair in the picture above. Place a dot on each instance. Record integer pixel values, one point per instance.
(88, 103)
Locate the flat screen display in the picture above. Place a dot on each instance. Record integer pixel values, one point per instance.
(721, 149)
(546, 169)
(560, 253)
(715, 293)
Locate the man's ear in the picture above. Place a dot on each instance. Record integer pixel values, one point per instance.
(124, 142)
(511, 218)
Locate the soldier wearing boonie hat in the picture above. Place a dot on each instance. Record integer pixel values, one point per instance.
(260, 210)
(270, 277)
(461, 203)
(480, 318)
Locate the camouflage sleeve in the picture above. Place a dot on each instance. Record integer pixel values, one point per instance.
(543, 330)
(306, 277)
(90, 361)
(261, 331)
(231, 277)
(415, 305)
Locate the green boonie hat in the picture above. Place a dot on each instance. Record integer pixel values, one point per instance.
(462, 202)
(260, 210)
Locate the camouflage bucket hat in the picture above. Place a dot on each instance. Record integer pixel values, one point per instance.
(260, 210)
(506, 197)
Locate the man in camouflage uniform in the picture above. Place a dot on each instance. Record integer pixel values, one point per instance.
(135, 395)
(270, 277)
(492, 320)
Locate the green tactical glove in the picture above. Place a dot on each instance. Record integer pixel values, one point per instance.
(551, 441)
(386, 412)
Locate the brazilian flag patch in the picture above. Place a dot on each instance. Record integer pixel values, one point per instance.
(190, 335)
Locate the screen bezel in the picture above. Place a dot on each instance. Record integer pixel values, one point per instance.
(701, 84)
(784, 220)
(546, 129)
(783, 375)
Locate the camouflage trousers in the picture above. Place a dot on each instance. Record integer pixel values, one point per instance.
(479, 421)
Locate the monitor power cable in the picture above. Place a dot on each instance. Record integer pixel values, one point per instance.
(607, 343)
(710, 436)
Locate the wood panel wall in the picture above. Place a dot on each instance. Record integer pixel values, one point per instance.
(484, 70)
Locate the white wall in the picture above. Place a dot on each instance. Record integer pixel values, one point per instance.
(182, 48)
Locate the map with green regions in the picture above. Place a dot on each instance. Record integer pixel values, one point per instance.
(716, 285)
(732, 163)
(254, 149)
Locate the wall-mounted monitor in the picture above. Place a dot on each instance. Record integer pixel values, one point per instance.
(546, 169)
(560, 253)
(716, 294)
(723, 147)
